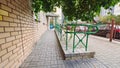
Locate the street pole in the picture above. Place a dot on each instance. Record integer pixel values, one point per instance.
(112, 30)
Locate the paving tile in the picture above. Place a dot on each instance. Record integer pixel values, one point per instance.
(46, 54)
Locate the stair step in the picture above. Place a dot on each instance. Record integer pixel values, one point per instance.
(78, 54)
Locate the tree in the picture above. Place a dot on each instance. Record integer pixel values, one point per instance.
(74, 9)
(106, 19)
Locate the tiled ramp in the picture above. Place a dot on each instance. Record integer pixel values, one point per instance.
(46, 54)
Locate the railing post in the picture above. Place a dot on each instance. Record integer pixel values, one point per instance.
(86, 42)
(74, 39)
(66, 39)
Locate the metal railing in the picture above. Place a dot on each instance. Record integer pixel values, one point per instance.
(58, 29)
(90, 29)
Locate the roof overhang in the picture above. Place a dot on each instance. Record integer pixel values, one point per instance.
(51, 15)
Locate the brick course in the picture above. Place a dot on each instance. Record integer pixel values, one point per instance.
(2, 41)
(3, 35)
(3, 12)
(1, 29)
(3, 52)
(4, 7)
(0, 17)
(2, 23)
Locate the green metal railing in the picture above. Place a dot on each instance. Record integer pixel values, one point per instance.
(58, 30)
(75, 34)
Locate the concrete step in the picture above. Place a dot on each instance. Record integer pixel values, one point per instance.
(79, 52)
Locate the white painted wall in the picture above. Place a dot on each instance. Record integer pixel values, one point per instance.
(61, 16)
(43, 18)
(115, 10)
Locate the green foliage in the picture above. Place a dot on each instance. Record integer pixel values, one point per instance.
(117, 19)
(103, 19)
(85, 10)
(44, 5)
(106, 19)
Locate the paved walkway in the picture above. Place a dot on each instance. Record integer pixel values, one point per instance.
(107, 52)
(46, 54)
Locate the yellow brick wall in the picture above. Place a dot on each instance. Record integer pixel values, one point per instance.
(0, 17)
(18, 32)
(3, 12)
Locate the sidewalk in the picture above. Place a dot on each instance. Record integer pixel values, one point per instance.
(46, 54)
(107, 52)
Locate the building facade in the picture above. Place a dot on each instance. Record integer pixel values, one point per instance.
(113, 10)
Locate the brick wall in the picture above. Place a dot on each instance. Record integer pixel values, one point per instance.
(18, 32)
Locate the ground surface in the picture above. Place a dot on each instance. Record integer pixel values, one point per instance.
(46, 54)
(107, 52)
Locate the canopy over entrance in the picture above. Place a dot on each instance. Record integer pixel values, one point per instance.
(51, 19)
